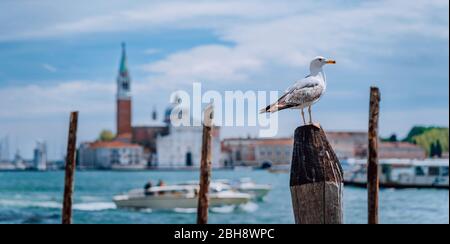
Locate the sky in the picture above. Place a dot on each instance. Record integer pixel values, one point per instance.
(59, 56)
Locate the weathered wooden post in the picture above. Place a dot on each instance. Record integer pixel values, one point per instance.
(316, 179)
(70, 169)
(205, 167)
(373, 180)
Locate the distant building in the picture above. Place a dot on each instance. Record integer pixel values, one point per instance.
(124, 116)
(355, 145)
(111, 155)
(40, 156)
(19, 163)
(274, 151)
(401, 150)
(181, 146)
(348, 144)
(146, 136)
(4, 149)
(257, 152)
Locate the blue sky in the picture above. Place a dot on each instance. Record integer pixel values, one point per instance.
(58, 56)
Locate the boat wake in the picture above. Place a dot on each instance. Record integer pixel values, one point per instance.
(249, 207)
(227, 209)
(94, 206)
(29, 203)
(185, 210)
(87, 206)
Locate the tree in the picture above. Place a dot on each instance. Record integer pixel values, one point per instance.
(416, 130)
(432, 150)
(438, 149)
(106, 135)
(393, 138)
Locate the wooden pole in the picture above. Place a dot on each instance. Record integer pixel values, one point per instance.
(70, 169)
(205, 167)
(373, 180)
(316, 179)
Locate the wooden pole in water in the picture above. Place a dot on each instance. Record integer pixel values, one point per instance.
(373, 180)
(70, 169)
(316, 179)
(205, 167)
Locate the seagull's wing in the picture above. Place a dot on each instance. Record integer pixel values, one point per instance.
(295, 95)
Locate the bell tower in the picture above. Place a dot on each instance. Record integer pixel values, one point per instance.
(123, 98)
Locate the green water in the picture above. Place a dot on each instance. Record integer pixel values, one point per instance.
(35, 197)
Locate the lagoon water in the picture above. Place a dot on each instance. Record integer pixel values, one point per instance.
(35, 198)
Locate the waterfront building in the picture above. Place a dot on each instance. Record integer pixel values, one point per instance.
(257, 152)
(401, 150)
(111, 155)
(146, 136)
(347, 145)
(181, 146)
(18, 162)
(40, 156)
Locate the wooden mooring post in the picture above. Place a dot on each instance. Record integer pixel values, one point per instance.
(205, 167)
(316, 179)
(70, 169)
(373, 180)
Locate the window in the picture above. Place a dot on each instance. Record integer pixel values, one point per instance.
(126, 86)
(419, 171)
(433, 171)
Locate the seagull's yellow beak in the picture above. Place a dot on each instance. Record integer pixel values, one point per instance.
(331, 62)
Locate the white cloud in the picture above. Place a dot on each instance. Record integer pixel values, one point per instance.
(351, 35)
(93, 98)
(206, 63)
(49, 68)
(152, 51)
(34, 100)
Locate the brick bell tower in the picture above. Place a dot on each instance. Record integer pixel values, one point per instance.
(123, 99)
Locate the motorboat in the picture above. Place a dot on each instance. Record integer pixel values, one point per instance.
(244, 185)
(178, 197)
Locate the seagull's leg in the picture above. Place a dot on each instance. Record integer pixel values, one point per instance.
(310, 116)
(303, 116)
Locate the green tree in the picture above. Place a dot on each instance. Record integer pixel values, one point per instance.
(415, 131)
(438, 149)
(431, 136)
(106, 135)
(432, 150)
(393, 138)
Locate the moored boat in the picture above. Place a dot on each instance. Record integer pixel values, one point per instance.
(400, 173)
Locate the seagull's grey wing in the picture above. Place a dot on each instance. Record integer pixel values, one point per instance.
(301, 92)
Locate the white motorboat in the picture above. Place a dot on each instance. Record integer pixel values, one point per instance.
(178, 197)
(400, 173)
(245, 185)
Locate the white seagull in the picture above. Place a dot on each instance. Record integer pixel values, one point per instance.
(305, 92)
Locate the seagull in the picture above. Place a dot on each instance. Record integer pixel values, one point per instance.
(305, 92)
